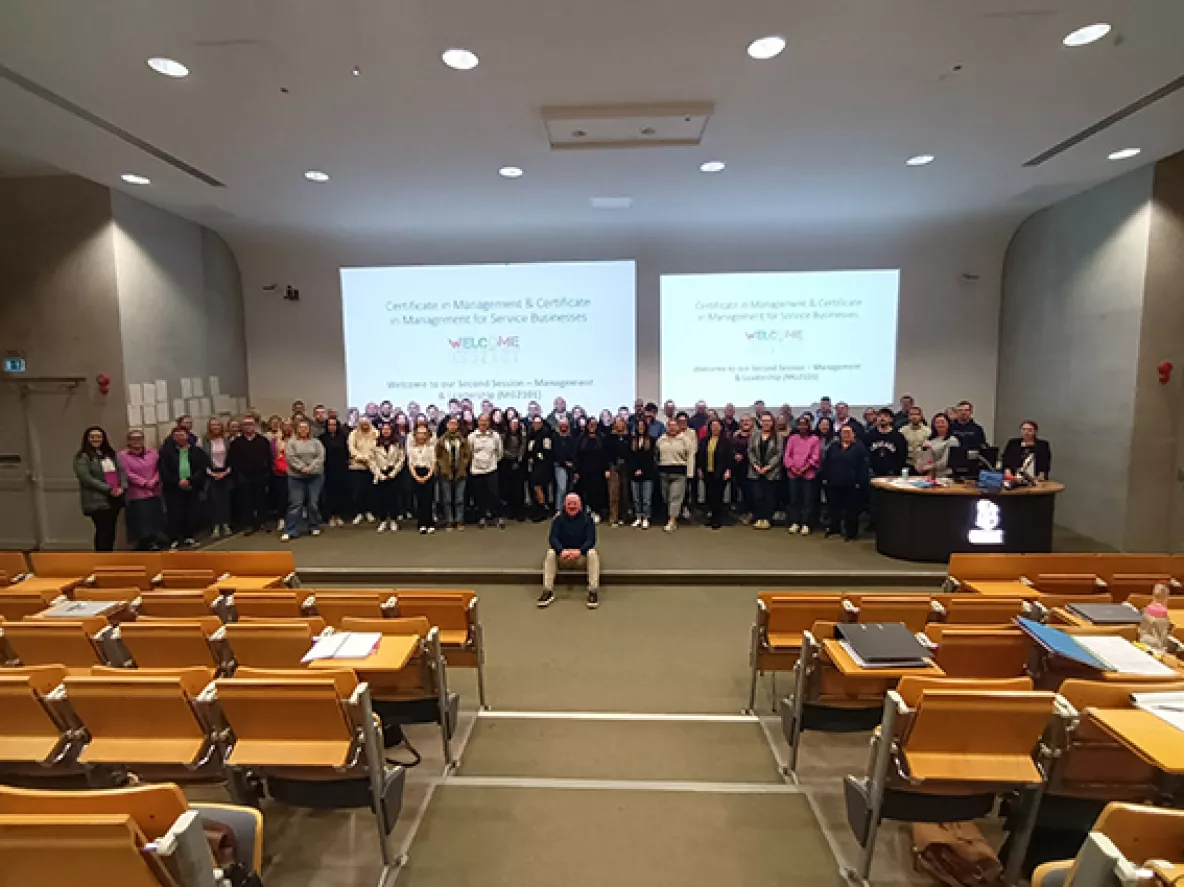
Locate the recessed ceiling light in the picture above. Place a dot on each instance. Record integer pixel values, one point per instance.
(315, 175)
(766, 47)
(132, 179)
(460, 59)
(356, 71)
(1125, 154)
(1087, 35)
(168, 67)
(920, 160)
(712, 166)
(510, 172)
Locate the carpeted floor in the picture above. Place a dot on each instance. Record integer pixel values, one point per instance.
(521, 546)
(516, 837)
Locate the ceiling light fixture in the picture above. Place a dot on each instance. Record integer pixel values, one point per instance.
(1087, 35)
(167, 67)
(510, 172)
(920, 160)
(767, 47)
(1124, 154)
(315, 175)
(712, 166)
(460, 59)
(357, 71)
(132, 179)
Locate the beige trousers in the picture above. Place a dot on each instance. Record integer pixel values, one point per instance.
(551, 565)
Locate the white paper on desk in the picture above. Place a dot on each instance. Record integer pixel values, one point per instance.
(178, 407)
(223, 404)
(1122, 656)
(135, 394)
(149, 410)
(215, 386)
(203, 407)
(134, 417)
(325, 647)
(1168, 707)
(187, 388)
(162, 391)
(358, 644)
(198, 387)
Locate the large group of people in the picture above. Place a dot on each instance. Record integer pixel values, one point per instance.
(482, 464)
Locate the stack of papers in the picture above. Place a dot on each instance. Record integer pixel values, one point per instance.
(1168, 707)
(344, 645)
(1120, 655)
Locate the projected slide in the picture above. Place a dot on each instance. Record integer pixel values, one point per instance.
(781, 337)
(509, 333)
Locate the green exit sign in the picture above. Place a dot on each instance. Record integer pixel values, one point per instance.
(14, 364)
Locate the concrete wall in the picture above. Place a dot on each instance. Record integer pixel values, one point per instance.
(180, 300)
(947, 333)
(59, 308)
(1069, 343)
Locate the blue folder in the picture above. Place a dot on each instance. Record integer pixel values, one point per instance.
(1056, 641)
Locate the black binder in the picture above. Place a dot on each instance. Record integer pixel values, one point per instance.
(1107, 614)
(882, 643)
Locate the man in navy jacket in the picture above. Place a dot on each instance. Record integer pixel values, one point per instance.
(572, 542)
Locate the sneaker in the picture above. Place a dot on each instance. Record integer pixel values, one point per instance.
(369, 517)
(357, 520)
(392, 526)
(279, 525)
(645, 523)
(216, 532)
(593, 598)
(546, 598)
(423, 531)
(637, 523)
(805, 530)
(174, 546)
(481, 523)
(793, 528)
(448, 528)
(382, 526)
(595, 518)
(226, 531)
(190, 542)
(670, 527)
(315, 532)
(431, 530)
(460, 528)
(285, 538)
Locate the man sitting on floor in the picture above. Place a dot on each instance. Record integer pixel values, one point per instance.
(573, 540)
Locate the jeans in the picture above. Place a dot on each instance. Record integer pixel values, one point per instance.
(674, 487)
(643, 497)
(551, 566)
(562, 481)
(802, 496)
(452, 500)
(145, 522)
(304, 492)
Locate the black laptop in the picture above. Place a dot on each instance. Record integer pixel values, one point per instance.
(883, 644)
(1107, 614)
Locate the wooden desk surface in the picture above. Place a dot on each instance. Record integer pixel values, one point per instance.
(1155, 741)
(846, 665)
(40, 584)
(393, 653)
(1064, 616)
(1011, 588)
(249, 583)
(888, 484)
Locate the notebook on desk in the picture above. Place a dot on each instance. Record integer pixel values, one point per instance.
(882, 645)
(1107, 614)
(1104, 653)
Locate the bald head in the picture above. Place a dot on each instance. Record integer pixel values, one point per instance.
(572, 504)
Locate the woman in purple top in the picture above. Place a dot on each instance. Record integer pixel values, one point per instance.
(803, 456)
(101, 483)
(145, 508)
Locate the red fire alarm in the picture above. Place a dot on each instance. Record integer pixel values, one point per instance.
(104, 382)
(1165, 372)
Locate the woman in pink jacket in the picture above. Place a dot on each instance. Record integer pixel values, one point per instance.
(803, 456)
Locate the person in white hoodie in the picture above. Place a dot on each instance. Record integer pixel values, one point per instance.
(361, 457)
(385, 466)
(486, 445)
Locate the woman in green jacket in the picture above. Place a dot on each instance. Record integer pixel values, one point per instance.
(101, 483)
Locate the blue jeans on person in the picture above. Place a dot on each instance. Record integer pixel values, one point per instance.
(304, 493)
(643, 497)
(802, 496)
(145, 522)
(452, 500)
(562, 488)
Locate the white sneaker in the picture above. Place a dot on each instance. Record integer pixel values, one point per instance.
(370, 517)
(431, 530)
(315, 532)
(645, 523)
(285, 538)
(279, 525)
(226, 531)
(637, 523)
(216, 532)
(392, 525)
(382, 526)
(805, 530)
(595, 518)
(357, 520)
(670, 527)
(793, 528)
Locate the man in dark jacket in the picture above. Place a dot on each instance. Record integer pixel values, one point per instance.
(563, 449)
(970, 434)
(249, 459)
(844, 476)
(183, 472)
(572, 542)
(887, 450)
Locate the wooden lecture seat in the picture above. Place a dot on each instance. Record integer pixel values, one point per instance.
(1060, 601)
(911, 687)
(173, 643)
(781, 620)
(454, 612)
(281, 604)
(51, 849)
(1140, 601)
(239, 570)
(1138, 834)
(1123, 585)
(141, 718)
(12, 565)
(983, 652)
(975, 610)
(70, 642)
(333, 606)
(1066, 583)
(272, 644)
(95, 593)
(120, 577)
(16, 603)
(181, 579)
(28, 731)
(174, 604)
(914, 612)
